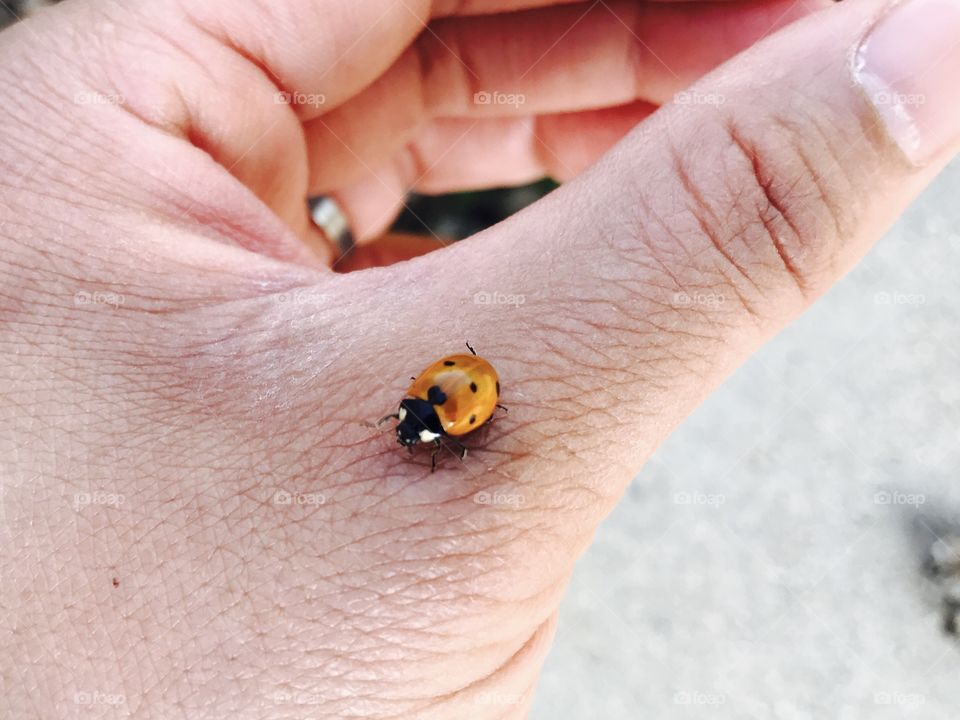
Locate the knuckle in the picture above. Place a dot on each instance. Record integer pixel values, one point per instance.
(766, 208)
(790, 195)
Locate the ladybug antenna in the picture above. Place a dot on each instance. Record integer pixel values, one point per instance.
(381, 421)
(378, 426)
(470, 348)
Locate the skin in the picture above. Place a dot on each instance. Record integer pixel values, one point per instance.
(260, 551)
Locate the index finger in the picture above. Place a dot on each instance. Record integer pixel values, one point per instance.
(444, 8)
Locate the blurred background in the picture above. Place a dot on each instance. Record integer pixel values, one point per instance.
(775, 559)
(769, 561)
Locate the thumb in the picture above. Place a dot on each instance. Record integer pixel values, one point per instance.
(710, 227)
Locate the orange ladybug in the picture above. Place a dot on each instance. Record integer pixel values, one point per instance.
(450, 398)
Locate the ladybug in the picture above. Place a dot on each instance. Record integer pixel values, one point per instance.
(450, 398)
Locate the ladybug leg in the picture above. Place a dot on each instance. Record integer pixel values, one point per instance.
(382, 420)
(460, 447)
(502, 407)
(490, 419)
(470, 348)
(433, 456)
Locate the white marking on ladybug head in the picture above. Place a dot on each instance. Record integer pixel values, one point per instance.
(427, 436)
(402, 414)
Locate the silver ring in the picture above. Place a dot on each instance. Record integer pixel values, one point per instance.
(327, 215)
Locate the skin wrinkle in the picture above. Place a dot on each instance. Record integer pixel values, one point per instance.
(202, 68)
(590, 317)
(713, 230)
(488, 545)
(218, 224)
(109, 195)
(35, 91)
(782, 205)
(49, 257)
(515, 658)
(270, 67)
(739, 224)
(75, 274)
(220, 41)
(819, 178)
(238, 228)
(403, 683)
(654, 250)
(389, 636)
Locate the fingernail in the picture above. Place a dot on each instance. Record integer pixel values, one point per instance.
(909, 66)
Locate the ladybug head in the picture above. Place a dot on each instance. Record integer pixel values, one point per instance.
(418, 422)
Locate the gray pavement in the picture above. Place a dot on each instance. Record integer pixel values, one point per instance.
(767, 563)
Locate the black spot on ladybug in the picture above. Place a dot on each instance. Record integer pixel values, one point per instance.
(498, 388)
(473, 419)
(448, 363)
(436, 396)
(473, 387)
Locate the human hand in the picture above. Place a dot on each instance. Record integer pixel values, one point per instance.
(197, 518)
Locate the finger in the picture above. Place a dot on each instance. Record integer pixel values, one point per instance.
(590, 54)
(234, 82)
(322, 48)
(443, 8)
(553, 60)
(570, 142)
(453, 155)
(461, 154)
(634, 290)
(230, 82)
(711, 227)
